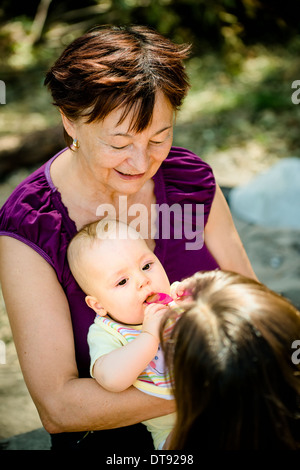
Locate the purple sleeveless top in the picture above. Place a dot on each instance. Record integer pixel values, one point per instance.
(35, 215)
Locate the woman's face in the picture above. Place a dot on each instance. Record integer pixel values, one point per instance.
(118, 159)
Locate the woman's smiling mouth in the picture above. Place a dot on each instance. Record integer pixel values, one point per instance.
(129, 176)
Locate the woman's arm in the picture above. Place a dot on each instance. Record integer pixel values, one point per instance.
(42, 330)
(223, 241)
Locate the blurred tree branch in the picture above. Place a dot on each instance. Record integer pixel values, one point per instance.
(39, 21)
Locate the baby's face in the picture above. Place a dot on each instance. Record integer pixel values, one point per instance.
(123, 274)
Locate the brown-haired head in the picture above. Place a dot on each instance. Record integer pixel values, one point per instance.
(111, 67)
(230, 357)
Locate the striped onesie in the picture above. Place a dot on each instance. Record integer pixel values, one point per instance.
(104, 336)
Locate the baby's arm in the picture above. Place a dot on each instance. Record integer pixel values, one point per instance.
(118, 370)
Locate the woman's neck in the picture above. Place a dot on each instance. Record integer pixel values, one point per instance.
(85, 198)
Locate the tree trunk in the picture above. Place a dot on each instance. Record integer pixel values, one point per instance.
(34, 148)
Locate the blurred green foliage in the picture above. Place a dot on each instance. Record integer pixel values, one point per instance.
(245, 56)
(226, 26)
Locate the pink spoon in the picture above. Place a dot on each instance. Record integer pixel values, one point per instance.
(159, 298)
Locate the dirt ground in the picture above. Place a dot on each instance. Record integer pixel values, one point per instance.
(17, 411)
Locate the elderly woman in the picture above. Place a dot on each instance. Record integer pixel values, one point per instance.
(117, 90)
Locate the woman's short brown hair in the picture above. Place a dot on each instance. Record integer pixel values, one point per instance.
(111, 67)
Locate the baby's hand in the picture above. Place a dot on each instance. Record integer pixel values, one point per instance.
(179, 290)
(152, 319)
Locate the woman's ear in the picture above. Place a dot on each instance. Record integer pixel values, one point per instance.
(68, 125)
(93, 303)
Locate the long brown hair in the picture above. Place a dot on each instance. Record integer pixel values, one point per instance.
(111, 67)
(230, 358)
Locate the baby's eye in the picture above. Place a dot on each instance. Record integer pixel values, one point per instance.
(122, 283)
(147, 266)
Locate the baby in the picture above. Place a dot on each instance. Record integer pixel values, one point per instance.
(120, 274)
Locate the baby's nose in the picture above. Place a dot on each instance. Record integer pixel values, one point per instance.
(143, 281)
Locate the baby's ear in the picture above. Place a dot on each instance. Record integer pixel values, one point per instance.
(93, 303)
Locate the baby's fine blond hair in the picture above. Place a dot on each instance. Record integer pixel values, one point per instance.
(95, 232)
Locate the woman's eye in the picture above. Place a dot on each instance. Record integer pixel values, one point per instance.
(119, 148)
(159, 142)
(122, 283)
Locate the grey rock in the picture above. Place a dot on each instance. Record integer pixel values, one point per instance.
(38, 439)
(272, 198)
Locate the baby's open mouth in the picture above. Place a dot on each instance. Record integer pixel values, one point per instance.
(158, 298)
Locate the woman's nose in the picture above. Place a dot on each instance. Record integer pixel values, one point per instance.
(139, 160)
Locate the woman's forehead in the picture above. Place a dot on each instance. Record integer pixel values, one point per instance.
(162, 118)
